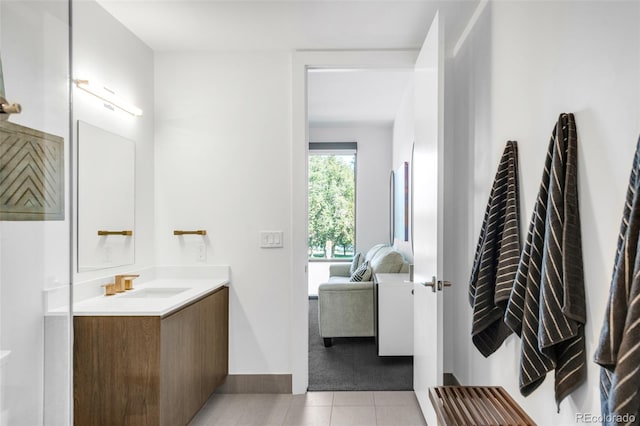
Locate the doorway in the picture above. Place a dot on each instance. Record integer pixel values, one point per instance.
(429, 107)
(303, 61)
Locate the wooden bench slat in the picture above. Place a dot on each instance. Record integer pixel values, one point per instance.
(477, 405)
(465, 407)
(517, 411)
(480, 401)
(436, 401)
(511, 417)
(508, 417)
(447, 407)
(478, 415)
(455, 404)
(503, 414)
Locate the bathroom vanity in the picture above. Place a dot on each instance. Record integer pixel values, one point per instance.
(151, 356)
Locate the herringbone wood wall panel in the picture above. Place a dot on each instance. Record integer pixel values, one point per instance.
(31, 174)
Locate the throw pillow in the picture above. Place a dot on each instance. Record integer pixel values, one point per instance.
(387, 261)
(363, 273)
(357, 259)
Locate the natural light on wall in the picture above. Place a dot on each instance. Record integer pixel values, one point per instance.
(108, 96)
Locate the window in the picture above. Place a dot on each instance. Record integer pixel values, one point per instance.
(332, 200)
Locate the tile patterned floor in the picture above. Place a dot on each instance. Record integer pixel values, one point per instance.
(312, 408)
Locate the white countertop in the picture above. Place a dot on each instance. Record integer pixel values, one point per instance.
(122, 304)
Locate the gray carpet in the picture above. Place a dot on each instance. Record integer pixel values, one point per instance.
(352, 364)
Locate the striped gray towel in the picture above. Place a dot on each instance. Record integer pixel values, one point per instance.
(496, 259)
(547, 307)
(618, 351)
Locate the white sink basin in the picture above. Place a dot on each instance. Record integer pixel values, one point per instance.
(158, 297)
(155, 292)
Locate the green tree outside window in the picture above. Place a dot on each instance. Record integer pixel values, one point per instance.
(331, 205)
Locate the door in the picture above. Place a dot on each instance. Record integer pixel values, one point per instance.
(427, 217)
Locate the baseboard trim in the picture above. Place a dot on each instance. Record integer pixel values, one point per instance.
(449, 379)
(257, 383)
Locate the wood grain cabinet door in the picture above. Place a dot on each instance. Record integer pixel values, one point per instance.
(180, 360)
(215, 341)
(115, 366)
(194, 356)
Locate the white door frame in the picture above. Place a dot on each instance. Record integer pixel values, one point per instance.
(302, 61)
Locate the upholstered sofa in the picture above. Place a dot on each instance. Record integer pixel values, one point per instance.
(347, 309)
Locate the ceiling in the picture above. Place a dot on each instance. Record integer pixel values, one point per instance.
(167, 25)
(242, 25)
(365, 96)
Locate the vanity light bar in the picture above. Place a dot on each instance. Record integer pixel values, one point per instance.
(109, 97)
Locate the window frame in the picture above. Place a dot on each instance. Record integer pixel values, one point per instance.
(337, 148)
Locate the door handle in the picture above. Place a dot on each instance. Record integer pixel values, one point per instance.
(436, 285)
(433, 284)
(443, 284)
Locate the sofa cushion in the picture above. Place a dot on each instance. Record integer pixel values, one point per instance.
(387, 260)
(373, 250)
(382, 258)
(356, 262)
(338, 279)
(339, 269)
(363, 273)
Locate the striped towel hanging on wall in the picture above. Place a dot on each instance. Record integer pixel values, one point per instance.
(547, 307)
(618, 351)
(497, 254)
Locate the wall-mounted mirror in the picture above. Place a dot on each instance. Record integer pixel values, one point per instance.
(106, 181)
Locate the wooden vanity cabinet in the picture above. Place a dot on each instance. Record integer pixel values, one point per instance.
(150, 370)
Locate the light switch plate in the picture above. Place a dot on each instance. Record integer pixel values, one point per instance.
(271, 239)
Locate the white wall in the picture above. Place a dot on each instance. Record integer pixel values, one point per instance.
(223, 163)
(107, 52)
(35, 254)
(372, 175)
(523, 64)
